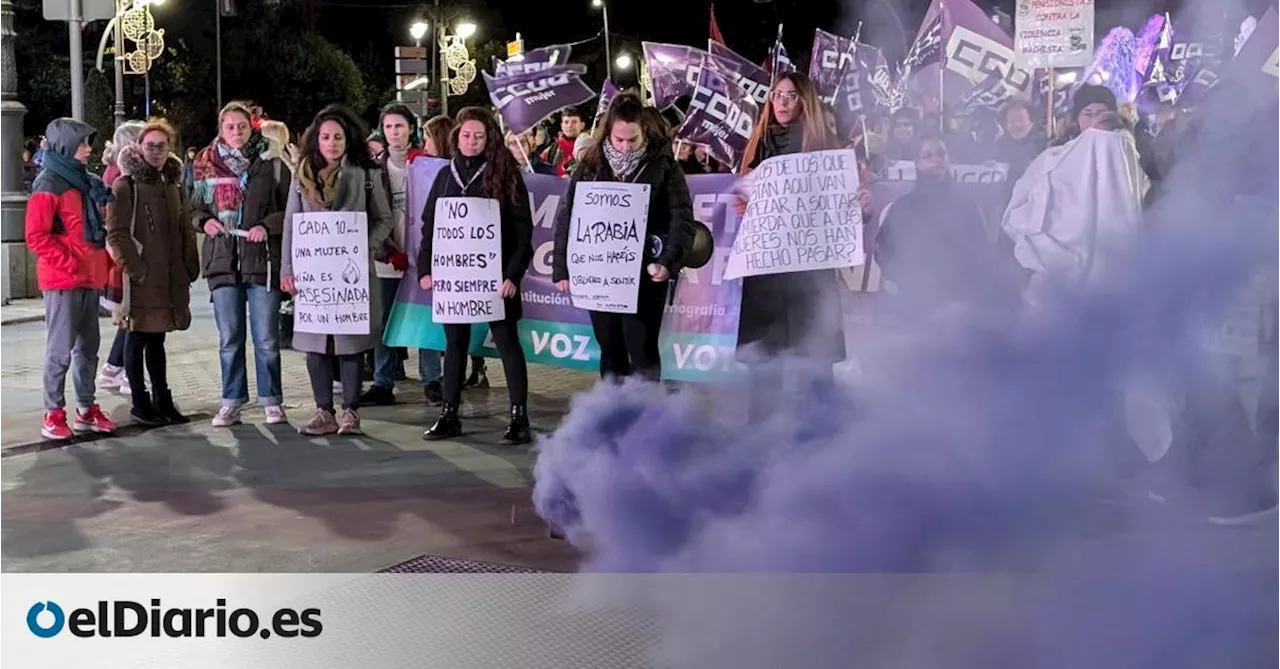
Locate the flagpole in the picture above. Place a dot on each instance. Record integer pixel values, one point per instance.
(1048, 103)
(942, 69)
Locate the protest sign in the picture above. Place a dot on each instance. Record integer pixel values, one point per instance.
(802, 214)
(331, 271)
(1053, 33)
(606, 245)
(466, 261)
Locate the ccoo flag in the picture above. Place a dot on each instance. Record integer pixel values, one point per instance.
(525, 99)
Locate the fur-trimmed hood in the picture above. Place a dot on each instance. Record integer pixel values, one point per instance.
(134, 165)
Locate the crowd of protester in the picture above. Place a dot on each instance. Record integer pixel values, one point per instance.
(130, 239)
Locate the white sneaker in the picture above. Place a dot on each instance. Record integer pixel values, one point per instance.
(227, 416)
(337, 386)
(275, 415)
(111, 377)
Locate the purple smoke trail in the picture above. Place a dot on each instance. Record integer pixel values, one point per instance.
(978, 477)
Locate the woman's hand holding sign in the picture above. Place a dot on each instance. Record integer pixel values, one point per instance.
(287, 285)
(425, 282)
(658, 273)
(562, 286)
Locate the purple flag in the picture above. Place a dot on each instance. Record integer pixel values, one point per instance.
(1256, 65)
(972, 47)
(534, 61)
(607, 93)
(721, 114)
(779, 62)
(670, 72)
(832, 56)
(525, 99)
(751, 77)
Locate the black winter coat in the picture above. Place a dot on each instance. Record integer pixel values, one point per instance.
(517, 225)
(231, 260)
(670, 210)
(796, 312)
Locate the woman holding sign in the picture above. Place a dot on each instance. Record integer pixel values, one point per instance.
(477, 242)
(335, 175)
(613, 268)
(794, 313)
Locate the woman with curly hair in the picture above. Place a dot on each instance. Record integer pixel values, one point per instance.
(336, 174)
(482, 167)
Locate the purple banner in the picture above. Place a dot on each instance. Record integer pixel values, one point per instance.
(669, 68)
(721, 114)
(525, 99)
(536, 60)
(751, 77)
(699, 329)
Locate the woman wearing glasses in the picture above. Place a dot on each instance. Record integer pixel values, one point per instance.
(796, 313)
(148, 234)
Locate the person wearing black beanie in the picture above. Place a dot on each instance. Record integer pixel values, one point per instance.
(1090, 102)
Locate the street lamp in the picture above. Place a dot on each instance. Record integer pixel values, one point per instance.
(465, 29)
(417, 31)
(623, 61)
(604, 10)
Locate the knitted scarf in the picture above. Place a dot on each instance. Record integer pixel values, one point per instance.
(217, 172)
(623, 164)
(320, 188)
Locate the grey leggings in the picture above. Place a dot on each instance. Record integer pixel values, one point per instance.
(320, 369)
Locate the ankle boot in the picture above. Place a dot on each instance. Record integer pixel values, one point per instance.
(144, 412)
(478, 378)
(164, 405)
(447, 426)
(518, 429)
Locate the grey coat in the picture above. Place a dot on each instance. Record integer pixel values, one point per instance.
(358, 190)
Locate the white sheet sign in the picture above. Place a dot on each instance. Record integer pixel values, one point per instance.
(331, 272)
(606, 245)
(466, 261)
(802, 215)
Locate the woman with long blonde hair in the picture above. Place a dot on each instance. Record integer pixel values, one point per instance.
(796, 313)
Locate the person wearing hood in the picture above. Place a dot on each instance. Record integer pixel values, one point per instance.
(238, 202)
(632, 146)
(66, 232)
(483, 167)
(150, 237)
(112, 375)
(337, 175)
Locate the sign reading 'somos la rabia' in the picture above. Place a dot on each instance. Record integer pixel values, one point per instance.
(1053, 33)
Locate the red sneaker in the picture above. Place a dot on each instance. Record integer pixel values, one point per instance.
(55, 426)
(93, 420)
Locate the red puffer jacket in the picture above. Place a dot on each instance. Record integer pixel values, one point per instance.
(55, 234)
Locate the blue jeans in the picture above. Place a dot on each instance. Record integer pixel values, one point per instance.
(229, 304)
(386, 360)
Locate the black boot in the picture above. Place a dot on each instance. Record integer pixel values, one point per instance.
(144, 412)
(447, 426)
(167, 409)
(518, 429)
(478, 378)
